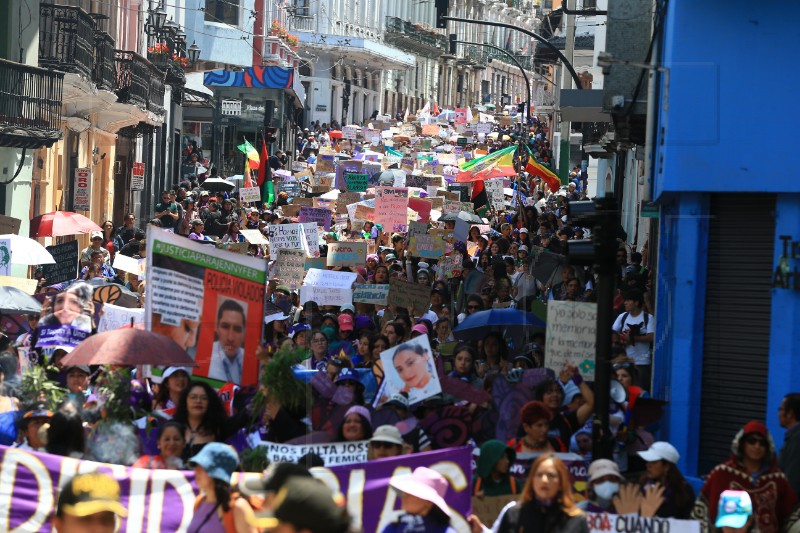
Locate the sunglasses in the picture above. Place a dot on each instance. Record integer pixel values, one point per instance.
(380, 445)
(473, 307)
(756, 440)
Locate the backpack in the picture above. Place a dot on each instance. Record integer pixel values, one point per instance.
(646, 319)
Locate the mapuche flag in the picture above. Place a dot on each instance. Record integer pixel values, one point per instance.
(538, 169)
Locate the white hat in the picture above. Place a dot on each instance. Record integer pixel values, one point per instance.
(172, 369)
(97, 235)
(661, 451)
(523, 230)
(387, 433)
(603, 467)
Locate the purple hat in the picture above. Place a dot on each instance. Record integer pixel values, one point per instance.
(364, 322)
(360, 410)
(426, 484)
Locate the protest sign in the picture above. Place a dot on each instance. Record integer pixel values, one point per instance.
(417, 228)
(333, 453)
(571, 330)
(407, 164)
(254, 236)
(409, 295)
(9, 225)
(298, 166)
(461, 230)
(309, 202)
(68, 319)
(66, 266)
(356, 182)
(606, 523)
(290, 210)
(391, 204)
(427, 245)
(347, 253)
(451, 265)
(286, 236)
(494, 190)
(328, 287)
(326, 163)
(214, 295)
(28, 286)
(114, 317)
(5, 257)
(250, 194)
(345, 199)
(462, 189)
(289, 268)
(350, 132)
(409, 368)
(369, 293)
(290, 187)
(422, 206)
(350, 166)
(125, 264)
(316, 215)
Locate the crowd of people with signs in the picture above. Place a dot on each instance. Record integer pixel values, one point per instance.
(386, 336)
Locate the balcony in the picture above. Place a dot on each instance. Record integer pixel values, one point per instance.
(133, 78)
(303, 23)
(30, 105)
(417, 39)
(104, 69)
(155, 94)
(66, 40)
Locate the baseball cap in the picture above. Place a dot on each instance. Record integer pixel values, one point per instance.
(307, 504)
(603, 467)
(217, 459)
(173, 369)
(283, 288)
(390, 257)
(297, 328)
(523, 248)
(735, 507)
(347, 374)
(347, 307)
(420, 328)
(37, 410)
(345, 322)
(660, 451)
(398, 400)
(387, 433)
(97, 235)
(83, 368)
(523, 230)
(88, 494)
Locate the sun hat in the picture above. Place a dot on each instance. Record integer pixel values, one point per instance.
(603, 467)
(307, 504)
(387, 433)
(217, 459)
(661, 451)
(735, 507)
(88, 494)
(523, 230)
(298, 328)
(426, 484)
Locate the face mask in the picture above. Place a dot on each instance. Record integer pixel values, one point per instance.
(606, 490)
(329, 331)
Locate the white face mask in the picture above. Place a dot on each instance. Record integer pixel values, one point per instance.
(606, 490)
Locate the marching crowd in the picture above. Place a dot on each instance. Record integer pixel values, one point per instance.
(66, 411)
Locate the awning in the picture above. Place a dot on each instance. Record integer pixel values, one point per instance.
(194, 82)
(254, 77)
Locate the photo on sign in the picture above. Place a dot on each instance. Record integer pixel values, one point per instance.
(409, 368)
(227, 352)
(66, 317)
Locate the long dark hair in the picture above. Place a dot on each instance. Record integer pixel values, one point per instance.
(65, 434)
(682, 493)
(215, 415)
(162, 396)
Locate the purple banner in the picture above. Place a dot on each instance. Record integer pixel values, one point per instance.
(163, 500)
(60, 335)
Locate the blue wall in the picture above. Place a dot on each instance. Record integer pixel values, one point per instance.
(727, 123)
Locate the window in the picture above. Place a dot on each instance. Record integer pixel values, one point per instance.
(224, 11)
(301, 8)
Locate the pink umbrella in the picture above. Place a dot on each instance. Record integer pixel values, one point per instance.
(60, 223)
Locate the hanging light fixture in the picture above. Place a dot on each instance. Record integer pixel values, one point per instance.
(194, 53)
(159, 17)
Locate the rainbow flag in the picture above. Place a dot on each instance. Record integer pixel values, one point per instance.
(538, 169)
(495, 165)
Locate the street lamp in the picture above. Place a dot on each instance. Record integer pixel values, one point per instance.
(157, 18)
(194, 53)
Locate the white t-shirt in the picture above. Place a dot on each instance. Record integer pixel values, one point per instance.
(639, 352)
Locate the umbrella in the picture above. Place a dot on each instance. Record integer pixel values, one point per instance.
(14, 301)
(509, 322)
(218, 185)
(59, 223)
(335, 134)
(25, 251)
(129, 346)
(386, 177)
(113, 293)
(472, 218)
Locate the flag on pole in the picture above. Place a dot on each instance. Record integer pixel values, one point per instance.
(479, 198)
(262, 170)
(248, 174)
(538, 169)
(435, 110)
(508, 42)
(250, 152)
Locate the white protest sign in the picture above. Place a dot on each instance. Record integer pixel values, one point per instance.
(285, 237)
(289, 268)
(115, 317)
(250, 194)
(333, 453)
(5, 257)
(369, 293)
(174, 296)
(126, 264)
(494, 190)
(254, 236)
(328, 287)
(350, 132)
(608, 523)
(312, 239)
(571, 330)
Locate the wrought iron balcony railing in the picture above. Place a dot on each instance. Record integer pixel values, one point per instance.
(422, 36)
(155, 94)
(104, 68)
(66, 39)
(133, 78)
(30, 105)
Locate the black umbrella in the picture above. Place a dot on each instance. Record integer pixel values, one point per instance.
(16, 302)
(472, 218)
(218, 185)
(386, 177)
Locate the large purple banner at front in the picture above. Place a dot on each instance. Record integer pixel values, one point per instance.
(163, 500)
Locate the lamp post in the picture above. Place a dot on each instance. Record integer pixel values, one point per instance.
(193, 54)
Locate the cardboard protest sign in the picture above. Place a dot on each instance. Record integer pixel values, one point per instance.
(290, 210)
(250, 194)
(462, 189)
(206, 299)
(364, 212)
(409, 368)
(316, 215)
(66, 265)
(347, 253)
(9, 225)
(356, 182)
(430, 130)
(345, 199)
(290, 187)
(409, 295)
(328, 287)
(391, 204)
(290, 268)
(115, 317)
(407, 164)
(571, 330)
(326, 162)
(254, 236)
(370, 293)
(286, 236)
(350, 132)
(427, 245)
(28, 286)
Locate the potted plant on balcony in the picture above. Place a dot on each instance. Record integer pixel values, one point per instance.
(158, 54)
(292, 41)
(180, 62)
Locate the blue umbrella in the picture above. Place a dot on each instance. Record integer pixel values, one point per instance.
(506, 321)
